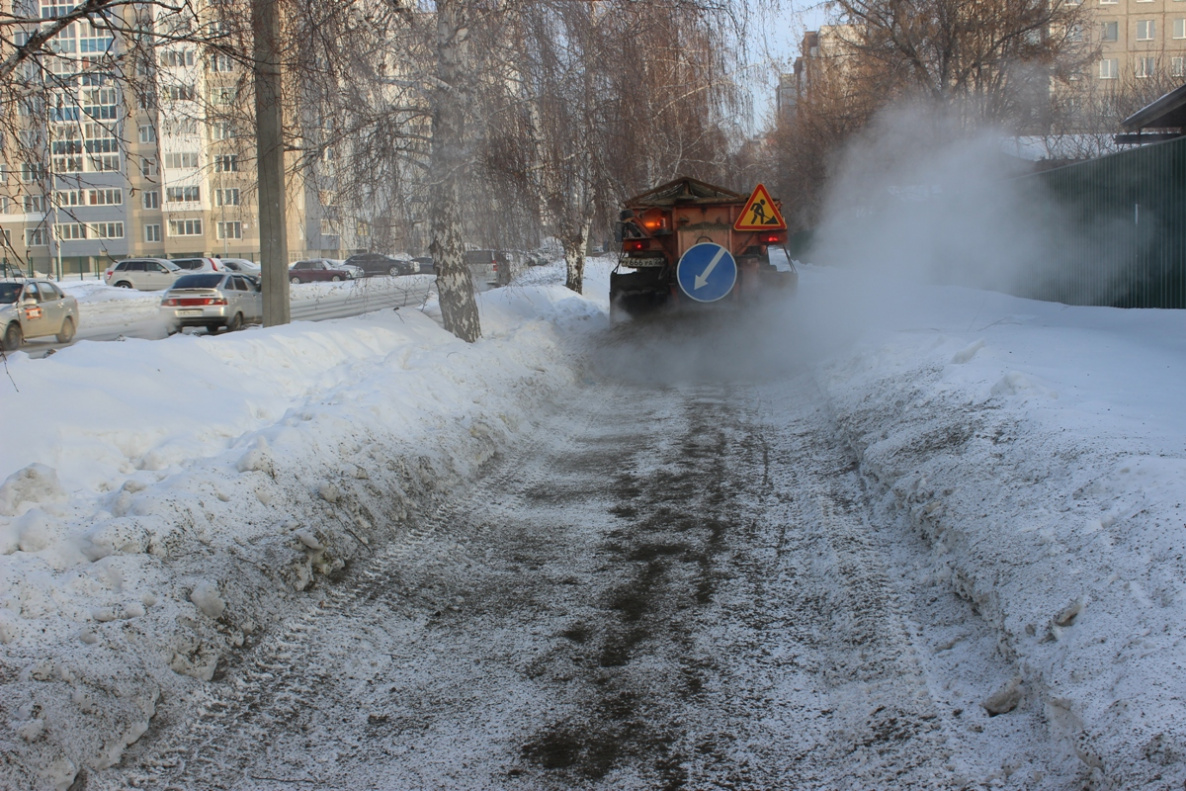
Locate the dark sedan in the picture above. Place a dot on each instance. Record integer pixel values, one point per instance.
(315, 269)
(379, 264)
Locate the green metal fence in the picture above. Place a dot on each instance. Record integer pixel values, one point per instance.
(1120, 222)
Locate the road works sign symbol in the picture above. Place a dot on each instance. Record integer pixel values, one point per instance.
(706, 272)
(760, 214)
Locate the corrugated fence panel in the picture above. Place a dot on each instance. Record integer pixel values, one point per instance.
(1121, 224)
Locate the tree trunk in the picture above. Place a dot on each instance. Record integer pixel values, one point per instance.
(574, 256)
(459, 309)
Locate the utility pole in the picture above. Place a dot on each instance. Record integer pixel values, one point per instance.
(269, 146)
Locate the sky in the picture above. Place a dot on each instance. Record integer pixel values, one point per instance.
(1039, 449)
(774, 49)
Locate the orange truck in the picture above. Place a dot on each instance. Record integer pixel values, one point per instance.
(690, 243)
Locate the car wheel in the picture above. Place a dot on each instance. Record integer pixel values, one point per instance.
(13, 337)
(336, 279)
(236, 323)
(393, 271)
(123, 284)
(66, 334)
(294, 280)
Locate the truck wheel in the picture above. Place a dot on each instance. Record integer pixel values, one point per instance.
(66, 334)
(13, 337)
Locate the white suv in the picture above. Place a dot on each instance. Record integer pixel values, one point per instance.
(144, 274)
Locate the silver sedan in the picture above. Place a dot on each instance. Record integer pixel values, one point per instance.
(214, 300)
(33, 309)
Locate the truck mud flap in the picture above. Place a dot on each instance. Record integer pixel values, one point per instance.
(638, 293)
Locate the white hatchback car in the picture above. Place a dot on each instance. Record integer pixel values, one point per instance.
(214, 300)
(145, 274)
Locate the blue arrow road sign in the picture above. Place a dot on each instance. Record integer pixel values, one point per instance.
(706, 272)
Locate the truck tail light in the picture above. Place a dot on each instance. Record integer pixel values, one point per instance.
(772, 238)
(635, 246)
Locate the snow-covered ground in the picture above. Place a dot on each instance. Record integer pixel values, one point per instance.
(156, 495)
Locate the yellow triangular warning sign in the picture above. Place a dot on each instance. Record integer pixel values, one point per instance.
(760, 214)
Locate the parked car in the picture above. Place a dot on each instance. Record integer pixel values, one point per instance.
(379, 264)
(484, 266)
(214, 300)
(316, 269)
(355, 271)
(425, 262)
(145, 274)
(33, 309)
(200, 264)
(241, 265)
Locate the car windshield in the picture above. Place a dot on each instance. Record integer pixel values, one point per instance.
(198, 281)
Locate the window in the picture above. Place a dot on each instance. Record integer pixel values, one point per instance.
(33, 204)
(105, 197)
(177, 57)
(106, 230)
(227, 163)
(69, 231)
(183, 195)
(67, 164)
(185, 227)
(1110, 31)
(226, 197)
(3, 204)
(181, 159)
(152, 200)
(1145, 29)
(147, 134)
(152, 233)
(223, 94)
(222, 62)
(1146, 67)
(1180, 27)
(181, 127)
(148, 168)
(52, 9)
(1075, 33)
(180, 93)
(95, 41)
(230, 230)
(1178, 66)
(224, 130)
(105, 162)
(1108, 69)
(32, 172)
(35, 237)
(100, 102)
(67, 198)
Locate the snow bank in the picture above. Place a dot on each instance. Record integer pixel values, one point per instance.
(1039, 451)
(163, 501)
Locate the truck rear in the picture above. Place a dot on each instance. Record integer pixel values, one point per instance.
(688, 242)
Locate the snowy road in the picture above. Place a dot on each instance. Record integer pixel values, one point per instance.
(672, 582)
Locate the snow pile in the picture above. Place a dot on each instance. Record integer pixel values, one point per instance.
(1038, 450)
(162, 501)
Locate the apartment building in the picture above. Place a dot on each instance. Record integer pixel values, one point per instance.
(126, 148)
(1139, 39)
